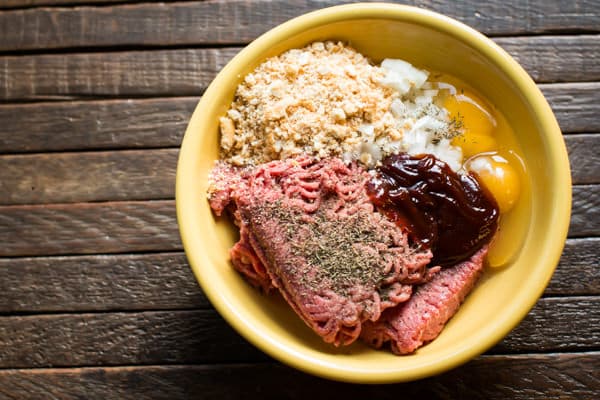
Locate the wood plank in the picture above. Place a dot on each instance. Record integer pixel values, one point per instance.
(184, 72)
(89, 228)
(584, 156)
(578, 272)
(200, 336)
(107, 282)
(542, 56)
(519, 377)
(100, 124)
(585, 212)
(93, 176)
(165, 281)
(187, 72)
(37, 3)
(150, 174)
(236, 22)
(121, 227)
(556, 324)
(121, 338)
(529, 377)
(161, 122)
(576, 105)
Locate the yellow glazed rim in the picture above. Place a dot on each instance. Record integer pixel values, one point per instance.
(187, 205)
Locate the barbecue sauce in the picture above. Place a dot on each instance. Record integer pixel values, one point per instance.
(449, 213)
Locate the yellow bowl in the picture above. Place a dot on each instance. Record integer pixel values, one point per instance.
(504, 296)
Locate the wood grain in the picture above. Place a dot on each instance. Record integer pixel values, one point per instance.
(114, 282)
(200, 336)
(545, 330)
(102, 289)
(578, 271)
(236, 22)
(99, 124)
(584, 156)
(576, 105)
(150, 174)
(165, 281)
(93, 176)
(34, 3)
(184, 72)
(121, 227)
(530, 377)
(121, 338)
(88, 228)
(187, 72)
(585, 212)
(542, 56)
(161, 122)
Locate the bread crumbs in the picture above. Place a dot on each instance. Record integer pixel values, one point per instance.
(318, 100)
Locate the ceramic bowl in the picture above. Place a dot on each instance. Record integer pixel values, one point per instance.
(502, 298)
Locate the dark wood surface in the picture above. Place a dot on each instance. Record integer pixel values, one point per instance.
(96, 297)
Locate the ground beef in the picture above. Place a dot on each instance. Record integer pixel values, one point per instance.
(308, 229)
(422, 318)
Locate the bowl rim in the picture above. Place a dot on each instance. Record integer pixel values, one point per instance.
(461, 32)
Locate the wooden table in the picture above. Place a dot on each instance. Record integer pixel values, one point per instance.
(96, 297)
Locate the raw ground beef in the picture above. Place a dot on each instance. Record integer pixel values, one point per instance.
(308, 229)
(422, 318)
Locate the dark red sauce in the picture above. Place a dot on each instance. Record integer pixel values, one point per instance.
(450, 213)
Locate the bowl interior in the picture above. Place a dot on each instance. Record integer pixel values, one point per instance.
(503, 297)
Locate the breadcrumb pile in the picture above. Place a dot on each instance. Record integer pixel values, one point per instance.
(321, 100)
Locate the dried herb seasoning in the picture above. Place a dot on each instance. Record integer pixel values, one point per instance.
(342, 249)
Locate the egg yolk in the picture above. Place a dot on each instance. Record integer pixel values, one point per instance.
(476, 122)
(473, 143)
(499, 177)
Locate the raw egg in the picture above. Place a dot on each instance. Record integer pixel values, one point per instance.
(473, 143)
(499, 177)
(474, 120)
